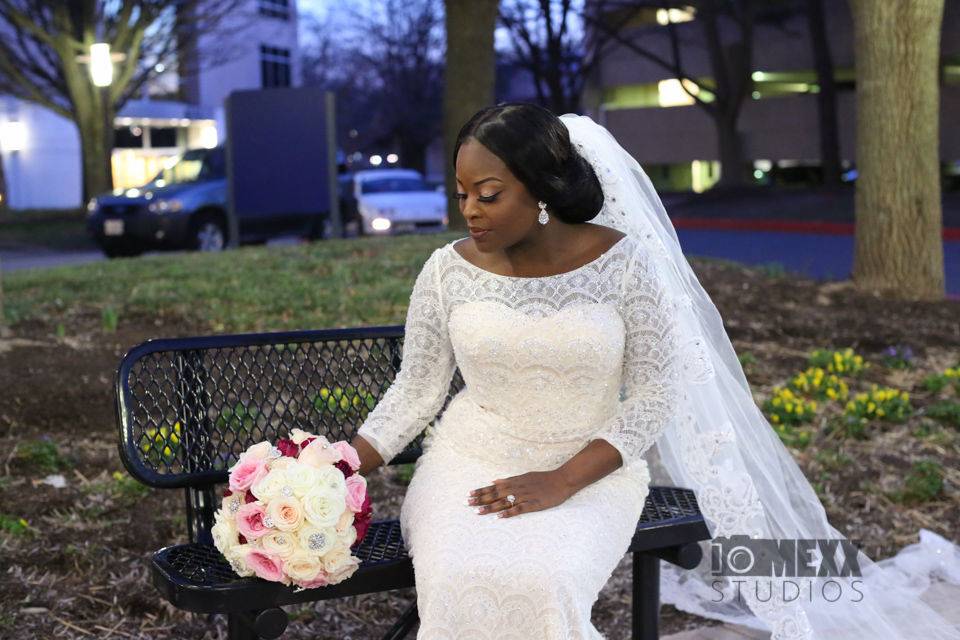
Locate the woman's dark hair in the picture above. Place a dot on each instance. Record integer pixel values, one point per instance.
(535, 145)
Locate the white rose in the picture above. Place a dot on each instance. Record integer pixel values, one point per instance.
(319, 453)
(339, 563)
(270, 485)
(350, 536)
(346, 520)
(330, 476)
(302, 566)
(279, 543)
(226, 538)
(224, 531)
(317, 540)
(282, 463)
(237, 557)
(259, 450)
(287, 513)
(302, 479)
(323, 509)
(299, 435)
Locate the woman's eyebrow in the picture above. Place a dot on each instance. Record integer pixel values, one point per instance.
(479, 182)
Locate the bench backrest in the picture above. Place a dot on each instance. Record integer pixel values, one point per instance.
(188, 407)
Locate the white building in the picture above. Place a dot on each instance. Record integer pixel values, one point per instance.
(253, 48)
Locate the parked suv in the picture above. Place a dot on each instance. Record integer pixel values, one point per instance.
(183, 207)
(390, 202)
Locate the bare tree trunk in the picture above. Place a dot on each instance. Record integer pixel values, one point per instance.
(730, 146)
(4, 193)
(899, 220)
(96, 146)
(469, 79)
(827, 97)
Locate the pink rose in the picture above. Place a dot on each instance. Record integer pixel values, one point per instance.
(318, 453)
(356, 492)
(248, 470)
(320, 580)
(348, 453)
(250, 520)
(265, 565)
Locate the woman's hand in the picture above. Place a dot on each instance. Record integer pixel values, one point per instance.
(534, 491)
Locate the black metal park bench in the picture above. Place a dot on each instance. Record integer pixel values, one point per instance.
(187, 407)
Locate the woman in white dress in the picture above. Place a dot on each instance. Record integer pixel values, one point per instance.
(576, 360)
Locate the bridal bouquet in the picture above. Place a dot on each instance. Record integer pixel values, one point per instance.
(293, 511)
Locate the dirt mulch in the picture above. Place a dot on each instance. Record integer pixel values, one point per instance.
(80, 570)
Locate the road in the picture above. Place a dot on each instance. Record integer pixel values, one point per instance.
(823, 257)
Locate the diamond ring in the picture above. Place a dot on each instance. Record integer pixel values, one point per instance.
(511, 498)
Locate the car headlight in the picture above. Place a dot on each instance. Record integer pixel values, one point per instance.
(165, 206)
(92, 205)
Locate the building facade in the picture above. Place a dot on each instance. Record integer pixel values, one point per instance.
(646, 108)
(253, 47)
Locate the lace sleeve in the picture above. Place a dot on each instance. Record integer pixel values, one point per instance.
(426, 369)
(651, 363)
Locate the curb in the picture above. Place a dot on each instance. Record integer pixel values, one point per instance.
(788, 226)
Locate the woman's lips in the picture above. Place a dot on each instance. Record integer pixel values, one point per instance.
(479, 234)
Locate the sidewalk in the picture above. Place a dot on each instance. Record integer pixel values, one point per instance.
(942, 596)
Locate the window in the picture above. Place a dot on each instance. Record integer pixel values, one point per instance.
(274, 66)
(275, 9)
(393, 185)
(163, 137)
(128, 137)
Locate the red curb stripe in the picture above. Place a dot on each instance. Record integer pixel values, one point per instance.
(789, 226)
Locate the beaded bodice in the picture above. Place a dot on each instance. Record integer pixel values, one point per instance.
(544, 361)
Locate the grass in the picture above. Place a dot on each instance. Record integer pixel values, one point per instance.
(330, 283)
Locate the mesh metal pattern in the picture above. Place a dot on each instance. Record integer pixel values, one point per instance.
(192, 406)
(202, 565)
(668, 503)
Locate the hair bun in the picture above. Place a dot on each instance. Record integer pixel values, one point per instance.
(579, 196)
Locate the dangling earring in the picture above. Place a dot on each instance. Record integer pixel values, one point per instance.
(543, 217)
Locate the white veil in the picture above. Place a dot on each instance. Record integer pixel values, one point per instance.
(746, 481)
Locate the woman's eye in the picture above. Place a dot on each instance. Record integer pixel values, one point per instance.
(463, 196)
(460, 196)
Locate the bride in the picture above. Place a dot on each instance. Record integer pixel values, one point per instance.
(595, 364)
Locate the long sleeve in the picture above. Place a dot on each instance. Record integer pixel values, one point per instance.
(651, 363)
(426, 369)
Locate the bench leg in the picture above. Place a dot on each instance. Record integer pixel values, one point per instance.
(240, 626)
(253, 625)
(404, 624)
(646, 597)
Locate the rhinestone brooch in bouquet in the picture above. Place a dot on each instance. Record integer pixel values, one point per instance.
(294, 511)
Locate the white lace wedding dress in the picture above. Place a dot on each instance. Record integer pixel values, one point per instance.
(543, 359)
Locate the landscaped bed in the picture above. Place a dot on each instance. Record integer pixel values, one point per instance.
(75, 558)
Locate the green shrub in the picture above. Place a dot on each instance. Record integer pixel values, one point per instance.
(42, 455)
(13, 525)
(922, 484)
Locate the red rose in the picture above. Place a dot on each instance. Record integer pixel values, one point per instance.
(365, 509)
(303, 445)
(361, 523)
(242, 539)
(247, 499)
(344, 467)
(227, 493)
(288, 448)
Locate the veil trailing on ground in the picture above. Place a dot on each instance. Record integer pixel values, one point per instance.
(775, 562)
